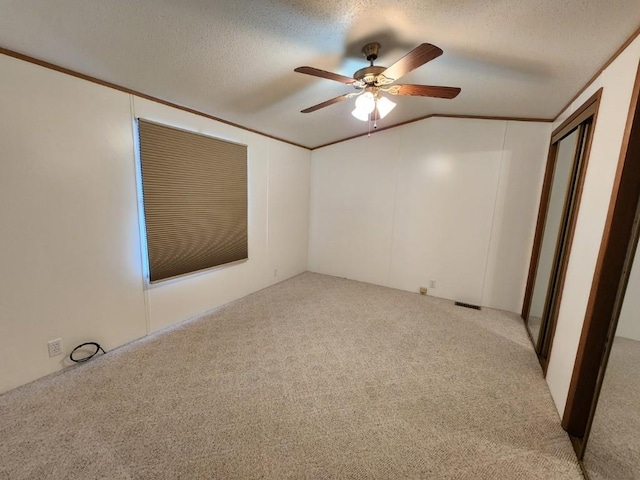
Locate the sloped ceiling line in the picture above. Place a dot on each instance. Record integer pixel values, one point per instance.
(236, 58)
(98, 81)
(120, 88)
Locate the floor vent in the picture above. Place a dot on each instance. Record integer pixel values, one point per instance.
(468, 305)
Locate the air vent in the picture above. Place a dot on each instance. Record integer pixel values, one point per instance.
(468, 305)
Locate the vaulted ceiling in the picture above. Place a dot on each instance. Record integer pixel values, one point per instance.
(234, 59)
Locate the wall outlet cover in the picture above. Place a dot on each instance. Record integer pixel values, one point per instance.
(55, 347)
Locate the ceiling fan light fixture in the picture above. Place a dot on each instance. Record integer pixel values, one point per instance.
(360, 114)
(384, 106)
(366, 102)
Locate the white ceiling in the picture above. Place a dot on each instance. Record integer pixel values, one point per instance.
(234, 59)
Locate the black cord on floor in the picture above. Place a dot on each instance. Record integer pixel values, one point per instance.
(80, 360)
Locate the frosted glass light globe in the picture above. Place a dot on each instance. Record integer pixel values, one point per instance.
(360, 115)
(366, 102)
(385, 106)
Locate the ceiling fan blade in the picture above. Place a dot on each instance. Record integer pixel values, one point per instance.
(424, 91)
(325, 104)
(324, 74)
(418, 56)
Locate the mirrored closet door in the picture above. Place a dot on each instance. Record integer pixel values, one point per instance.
(557, 214)
(552, 232)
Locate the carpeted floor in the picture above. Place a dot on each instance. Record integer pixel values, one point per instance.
(316, 377)
(613, 448)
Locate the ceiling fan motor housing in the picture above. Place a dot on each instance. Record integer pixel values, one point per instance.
(368, 74)
(370, 51)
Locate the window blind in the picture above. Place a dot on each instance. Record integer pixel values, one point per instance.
(194, 191)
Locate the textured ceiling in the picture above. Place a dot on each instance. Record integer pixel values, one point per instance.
(234, 59)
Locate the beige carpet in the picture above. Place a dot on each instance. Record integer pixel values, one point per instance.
(613, 448)
(316, 377)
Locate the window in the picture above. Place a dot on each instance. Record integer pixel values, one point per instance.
(194, 191)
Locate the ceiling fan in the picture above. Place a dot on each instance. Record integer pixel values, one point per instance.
(372, 80)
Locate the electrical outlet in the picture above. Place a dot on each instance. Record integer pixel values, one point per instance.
(275, 272)
(55, 347)
(432, 284)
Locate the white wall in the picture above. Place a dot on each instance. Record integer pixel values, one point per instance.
(70, 243)
(450, 200)
(617, 81)
(629, 321)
